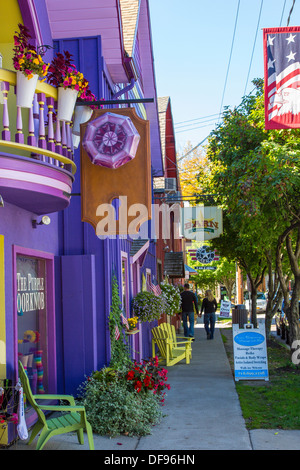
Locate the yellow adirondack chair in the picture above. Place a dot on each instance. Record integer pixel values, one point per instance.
(168, 352)
(171, 331)
(74, 418)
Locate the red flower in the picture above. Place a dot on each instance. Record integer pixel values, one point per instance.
(138, 386)
(130, 375)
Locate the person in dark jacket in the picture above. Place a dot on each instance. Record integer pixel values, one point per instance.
(188, 301)
(209, 306)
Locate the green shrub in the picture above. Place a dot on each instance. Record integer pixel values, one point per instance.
(113, 409)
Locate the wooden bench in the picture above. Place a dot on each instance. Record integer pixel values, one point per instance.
(169, 352)
(71, 418)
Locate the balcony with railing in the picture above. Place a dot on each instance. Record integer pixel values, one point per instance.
(36, 150)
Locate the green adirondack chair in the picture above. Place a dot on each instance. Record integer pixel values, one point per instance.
(167, 351)
(73, 417)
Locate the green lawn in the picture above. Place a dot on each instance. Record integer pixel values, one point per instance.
(275, 403)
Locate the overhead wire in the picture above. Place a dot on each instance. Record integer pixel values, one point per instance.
(291, 11)
(282, 13)
(227, 73)
(196, 119)
(254, 44)
(230, 55)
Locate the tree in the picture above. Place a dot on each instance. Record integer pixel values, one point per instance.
(225, 274)
(254, 176)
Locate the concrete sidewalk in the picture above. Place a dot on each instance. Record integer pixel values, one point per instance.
(202, 412)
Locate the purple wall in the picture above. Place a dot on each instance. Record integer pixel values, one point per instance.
(16, 226)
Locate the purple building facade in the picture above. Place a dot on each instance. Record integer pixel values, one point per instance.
(56, 279)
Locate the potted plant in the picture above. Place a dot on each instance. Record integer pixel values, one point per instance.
(172, 298)
(82, 113)
(70, 83)
(29, 65)
(147, 306)
(132, 322)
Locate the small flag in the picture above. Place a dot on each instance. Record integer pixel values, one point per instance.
(155, 289)
(124, 321)
(117, 333)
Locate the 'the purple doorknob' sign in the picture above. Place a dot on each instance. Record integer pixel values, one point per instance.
(111, 140)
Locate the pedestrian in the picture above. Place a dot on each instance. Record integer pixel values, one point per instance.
(188, 302)
(209, 307)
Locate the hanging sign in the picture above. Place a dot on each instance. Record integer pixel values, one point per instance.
(201, 222)
(225, 308)
(250, 352)
(115, 171)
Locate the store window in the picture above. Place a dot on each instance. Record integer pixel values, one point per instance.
(35, 324)
(125, 299)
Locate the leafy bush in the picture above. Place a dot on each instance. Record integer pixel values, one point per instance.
(147, 306)
(113, 408)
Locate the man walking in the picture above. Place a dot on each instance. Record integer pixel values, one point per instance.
(188, 301)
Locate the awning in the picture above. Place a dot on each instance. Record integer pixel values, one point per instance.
(138, 251)
(174, 264)
(190, 270)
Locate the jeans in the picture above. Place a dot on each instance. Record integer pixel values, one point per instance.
(188, 331)
(209, 323)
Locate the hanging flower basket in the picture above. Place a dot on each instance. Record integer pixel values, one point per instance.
(29, 65)
(66, 103)
(25, 89)
(82, 115)
(70, 83)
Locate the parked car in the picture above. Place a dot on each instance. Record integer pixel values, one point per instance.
(261, 301)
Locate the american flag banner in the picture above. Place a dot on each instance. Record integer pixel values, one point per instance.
(124, 321)
(154, 288)
(282, 77)
(117, 333)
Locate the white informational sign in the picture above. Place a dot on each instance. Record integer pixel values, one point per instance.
(225, 309)
(250, 352)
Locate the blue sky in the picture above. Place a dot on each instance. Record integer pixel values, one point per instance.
(192, 42)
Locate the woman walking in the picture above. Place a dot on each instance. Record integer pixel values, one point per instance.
(209, 306)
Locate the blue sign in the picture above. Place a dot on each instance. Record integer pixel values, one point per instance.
(249, 339)
(250, 352)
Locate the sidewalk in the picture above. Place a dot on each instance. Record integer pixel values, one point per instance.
(202, 413)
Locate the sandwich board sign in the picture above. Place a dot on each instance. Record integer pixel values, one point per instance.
(225, 309)
(250, 352)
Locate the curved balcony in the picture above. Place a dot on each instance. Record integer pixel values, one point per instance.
(36, 154)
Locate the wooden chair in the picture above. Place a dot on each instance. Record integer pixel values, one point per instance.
(171, 331)
(167, 351)
(74, 418)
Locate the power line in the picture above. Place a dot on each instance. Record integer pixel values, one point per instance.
(282, 13)
(291, 11)
(194, 128)
(254, 44)
(235, 25)
(196, 119)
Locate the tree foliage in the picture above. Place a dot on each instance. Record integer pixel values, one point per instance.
(254, 176)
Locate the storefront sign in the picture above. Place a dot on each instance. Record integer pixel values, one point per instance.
(30, 294)
(225, 309)
(250, 352)
(201, 222)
